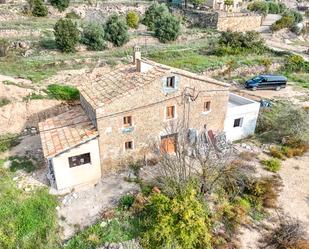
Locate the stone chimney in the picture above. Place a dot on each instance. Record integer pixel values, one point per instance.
(136, 54)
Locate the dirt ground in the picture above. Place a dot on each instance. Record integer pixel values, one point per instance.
(293, 200)
(82, 208)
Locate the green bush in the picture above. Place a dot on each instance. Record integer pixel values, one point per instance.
(285, 21)
(61, 92)
(258, 6)
(197, 2)
(37, 8)
(296, 63)
(132, 19)
(61, 5)
(66, 35)
(284, 123)
(21, 163)
(4, 101)
(126, 202)
(297, 16)
(180, 221)
(233, 43)
(93, 37)
(72, 15)
(8, 141)
(116, 30)
(272, 164)
(153, 14)
(167, 28)
(4, 47)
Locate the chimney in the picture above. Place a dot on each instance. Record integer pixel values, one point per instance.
(136, 54)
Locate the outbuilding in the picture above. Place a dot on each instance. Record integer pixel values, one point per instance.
(241, 117)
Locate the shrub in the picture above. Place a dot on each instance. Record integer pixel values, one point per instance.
(258, 6)
(266, 63)
(297, 16)
(153, 14)
(72, 15)
(8, 141)
(180, 221)
(289, 234)
(4, 101)
(284, 123)
(197, 3)
(63, 92)
(66, 35)
(61, 5)
(116, 30)
(296, 63)
(229, 2)
(126, 202)
(37, 8)
(285, 21)
(248, 156)
(4, 47)
(238, 42)
(21, 163)
(276, 152)
(93, 37)
(272, 164)
(132, 19)
(167, 28)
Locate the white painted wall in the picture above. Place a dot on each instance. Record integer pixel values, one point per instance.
(240, 107)
(67, 177)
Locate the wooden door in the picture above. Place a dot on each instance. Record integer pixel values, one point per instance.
(168, 143)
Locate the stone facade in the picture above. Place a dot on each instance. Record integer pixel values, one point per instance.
(147, 107)
(223, 21)
(239, 23)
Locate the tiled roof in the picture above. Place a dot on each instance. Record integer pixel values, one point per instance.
(115, 83)
(65, 131)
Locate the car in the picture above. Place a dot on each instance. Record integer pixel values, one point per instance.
(266, 81)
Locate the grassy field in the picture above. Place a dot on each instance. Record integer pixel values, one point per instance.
(27, 220)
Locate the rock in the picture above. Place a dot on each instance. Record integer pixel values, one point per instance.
(23, 45)
(103, 224)
(27, 189)
(15, 178)
(7, 164)
(57, 208)
(75, 195)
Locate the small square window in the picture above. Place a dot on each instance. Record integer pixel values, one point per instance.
(207, 106)
(237, 122)
(128, 145)
(170, 112)
(127, 121)
(170, 82)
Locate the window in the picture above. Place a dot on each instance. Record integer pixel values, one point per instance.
(127, 121)
(238, 122)
(170, 82)
(128, 145)
(207, 106)
(170, 112)
(79, 160)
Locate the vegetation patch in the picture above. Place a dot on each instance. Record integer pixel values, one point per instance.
(21, 163)
(27, 220)
(8, 141)
(4, 101)
(62, 92)
(272, 164)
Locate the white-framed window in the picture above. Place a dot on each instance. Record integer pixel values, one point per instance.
(238, 122)
(170, 82)
(75, 161)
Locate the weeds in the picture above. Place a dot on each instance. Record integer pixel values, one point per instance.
(63, 92)
(21, 163)
(272, 164)
(4, 101)
(8, 141)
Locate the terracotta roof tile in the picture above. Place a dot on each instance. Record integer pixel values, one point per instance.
(65, 131)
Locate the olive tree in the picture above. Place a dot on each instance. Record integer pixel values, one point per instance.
(116, 30)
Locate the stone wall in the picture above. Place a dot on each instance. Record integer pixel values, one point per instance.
(239, 23)
(221, 20)
(147, 107)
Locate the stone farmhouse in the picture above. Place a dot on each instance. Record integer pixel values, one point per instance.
(128, 107)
